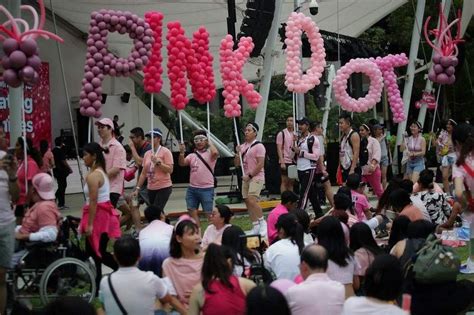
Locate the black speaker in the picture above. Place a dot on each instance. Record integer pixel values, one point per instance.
(104, 98)
(125, 97)
(272, 169)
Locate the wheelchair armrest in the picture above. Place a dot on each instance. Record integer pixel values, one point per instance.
(38, 245)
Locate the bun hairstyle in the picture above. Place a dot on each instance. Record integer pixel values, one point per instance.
(93, 148)
(463, 135)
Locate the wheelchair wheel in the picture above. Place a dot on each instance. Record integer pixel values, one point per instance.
(67, 277)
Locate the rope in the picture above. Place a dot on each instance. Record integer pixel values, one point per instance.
(67, 98)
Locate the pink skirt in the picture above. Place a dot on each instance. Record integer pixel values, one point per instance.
(106, 221)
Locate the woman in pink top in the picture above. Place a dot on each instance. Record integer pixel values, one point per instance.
(25, 173)
(48, 157)
(463, 170)
(157, 168)
(371, 173)
(220, 220)
(184, 266)
(219, 292)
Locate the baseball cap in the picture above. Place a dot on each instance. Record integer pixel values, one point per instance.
(155, 132)
(304, 120)
(105, 122)
(44, 186)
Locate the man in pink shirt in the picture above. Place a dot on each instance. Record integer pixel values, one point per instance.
(201, 178)
(115, 158)
(285, 140)
(253, 160)
(289, 202)
(318, 294)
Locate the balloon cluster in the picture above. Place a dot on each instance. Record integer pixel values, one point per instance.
(445, 58)
(362, 104)
(202, 80)
(294, 80)
(100, 62)
(21, 62)
(427, 99)
(443, 69)
(152, 81)
(386, 65)
(231, 64)
(178, 49)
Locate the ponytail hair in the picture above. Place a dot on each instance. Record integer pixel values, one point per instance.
(292, 228)
(93, 148)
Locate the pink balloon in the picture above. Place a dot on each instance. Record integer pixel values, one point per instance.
(17, 59)
(10, 45)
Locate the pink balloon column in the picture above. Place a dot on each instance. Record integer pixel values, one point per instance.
(234, 84)
(294, 79)
(445, 59)
(202, 82)
(21, 62)
(100, 62)
(192, 58)
(386, 65)
(153, 70)
(362, 104)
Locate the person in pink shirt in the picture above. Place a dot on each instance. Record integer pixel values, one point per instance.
(371, 173)
(48, 157)
(157, 168)
(360, 201)
(317, 294)
(401, 203)
(201, 178)
(463, 169)
(285, 141)
(289, 202)
(25, 173)
(115, 158)
(220, 220)
(253, 179)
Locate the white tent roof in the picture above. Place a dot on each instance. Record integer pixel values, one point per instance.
(352, 18)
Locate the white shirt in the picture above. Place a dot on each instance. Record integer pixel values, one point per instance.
(317, 295)
(303, 164)
(213, 235)
(364, 306)
(283, 258)
(340, 274)
(136, 290)
(155, 241)
(6, 214)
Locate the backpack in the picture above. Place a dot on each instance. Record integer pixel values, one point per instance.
(363, 152)
(435, 263)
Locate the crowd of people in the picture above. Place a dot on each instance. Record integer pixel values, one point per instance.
(354, 258)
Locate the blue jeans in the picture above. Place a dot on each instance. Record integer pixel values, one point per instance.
(203, 196)
(415, 165)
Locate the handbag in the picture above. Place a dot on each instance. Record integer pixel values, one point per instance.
(292, 171)
(114, 294)
(208, 167)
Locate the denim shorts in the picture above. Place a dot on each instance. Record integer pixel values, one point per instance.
(415, 165)
(384, 160)
(203, 196)
(448, 160)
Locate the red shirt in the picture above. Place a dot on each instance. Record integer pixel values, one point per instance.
(224, 300)
(32, 169)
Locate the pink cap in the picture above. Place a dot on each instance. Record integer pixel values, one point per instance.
(44, 186)
(105, 122)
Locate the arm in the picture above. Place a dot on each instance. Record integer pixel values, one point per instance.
(196, 301)
(214, 151)
(259, 167)
(281, 159)
(119, 161)
(237, 156)
(316, 151)
(423, 148)
(45, 234)
(376, 153)
(458, 187)
(355, 140)
(177, 305)
(93, 182)
(135, 156)
(114, 171)
(182, 160)
(165, 164)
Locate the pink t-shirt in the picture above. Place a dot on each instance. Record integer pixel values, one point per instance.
(43, 213)
(33, 169)
(360, 205)
(200, 176)
(272, 220)
(250, 159)
(459, 171)
(184, 274)
(48, 161)
(288, 154)
(116, 157)
(157, 179)
(363, 258)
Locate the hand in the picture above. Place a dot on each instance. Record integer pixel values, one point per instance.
(22, 236)
(9, 164)
(325, 173)
(245, 178)
(297, 150)
(182, 148)
(351, 171)
(283, 166)
(89, 230)
(237, 149)
(131, 144)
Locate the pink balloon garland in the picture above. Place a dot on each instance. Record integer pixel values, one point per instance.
(100, 62)
(361, 104)
(294, 79)
(231, 65)
(191, 57)
(21, 62)
(152, 80)
(386, 65)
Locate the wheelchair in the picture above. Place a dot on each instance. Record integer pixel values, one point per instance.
(53, 270)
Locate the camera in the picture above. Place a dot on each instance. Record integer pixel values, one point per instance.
(313, 7)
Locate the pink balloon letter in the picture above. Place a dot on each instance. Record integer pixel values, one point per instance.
(152, 81)
(233, 82)
(101, 62)
(295, 81)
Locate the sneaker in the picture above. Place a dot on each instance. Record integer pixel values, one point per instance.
(262, 228)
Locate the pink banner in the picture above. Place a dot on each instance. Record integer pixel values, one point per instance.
(37, 108)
